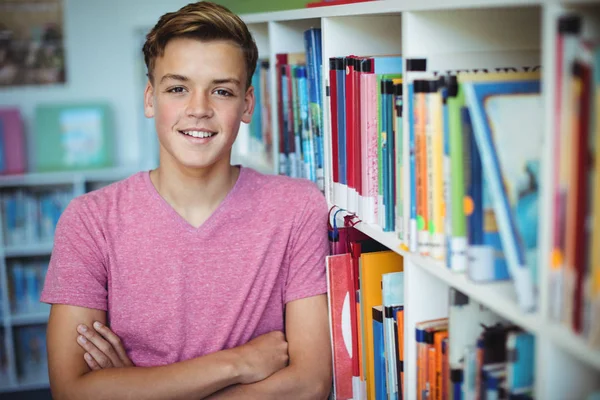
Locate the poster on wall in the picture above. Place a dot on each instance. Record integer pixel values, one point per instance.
(31, 42)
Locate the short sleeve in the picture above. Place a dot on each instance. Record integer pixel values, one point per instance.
(309, 248)
(77, 272)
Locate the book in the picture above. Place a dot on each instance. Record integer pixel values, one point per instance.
(512, 175)
(72, 137)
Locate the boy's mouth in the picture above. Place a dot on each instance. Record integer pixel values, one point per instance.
(198, 134)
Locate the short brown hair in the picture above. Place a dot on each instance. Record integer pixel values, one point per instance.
(204, 21)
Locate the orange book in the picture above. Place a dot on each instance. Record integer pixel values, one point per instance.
(438, 338)
(431, 366)
(424, 335)
(372, 267)
(400, 348)
(421, 165)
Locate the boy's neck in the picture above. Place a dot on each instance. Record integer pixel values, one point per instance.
(194, 193)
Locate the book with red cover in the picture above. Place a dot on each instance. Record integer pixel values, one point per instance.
(333, 67)
(15, 160)
(281, 60)
(339, 282)
(351, 130)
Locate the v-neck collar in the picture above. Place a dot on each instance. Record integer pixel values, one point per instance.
(182, 222)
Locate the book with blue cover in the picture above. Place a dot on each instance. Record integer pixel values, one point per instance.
(504, 113)
(312, 44)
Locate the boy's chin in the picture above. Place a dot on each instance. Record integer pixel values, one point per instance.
(195, 164)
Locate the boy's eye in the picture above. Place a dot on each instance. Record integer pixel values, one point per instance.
(223, 92)
(177, 89)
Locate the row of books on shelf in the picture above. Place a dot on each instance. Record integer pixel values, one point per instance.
(452, 166)
(472, 353)
(425, 183)
(30, 217)
(575, 258)
(26, 281)
(261, 134)
(63, 137)
(300, 110)
(30, 353)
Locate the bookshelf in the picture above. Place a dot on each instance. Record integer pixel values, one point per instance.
(450, 33)
(16, 320)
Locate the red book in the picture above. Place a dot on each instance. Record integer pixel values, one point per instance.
(351, 99)
(340, 303)
(15, 160)
(581, 159)
(281, 60)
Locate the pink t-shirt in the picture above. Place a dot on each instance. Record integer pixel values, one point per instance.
(173, 292)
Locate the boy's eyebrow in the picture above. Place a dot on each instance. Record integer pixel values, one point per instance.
(226, 80)
(174, 77)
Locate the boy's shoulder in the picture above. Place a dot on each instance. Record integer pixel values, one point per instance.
(281, 187)
(275, 195)
(109, 194)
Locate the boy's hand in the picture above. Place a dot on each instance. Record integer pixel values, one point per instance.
(103, 348)
(263, 356)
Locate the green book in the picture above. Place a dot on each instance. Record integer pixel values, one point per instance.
(73, 137)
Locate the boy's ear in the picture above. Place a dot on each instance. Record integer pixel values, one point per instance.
(149, 100)
(249, 105)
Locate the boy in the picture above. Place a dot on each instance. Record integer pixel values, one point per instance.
(198, 266)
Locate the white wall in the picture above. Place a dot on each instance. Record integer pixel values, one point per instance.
(103, 61)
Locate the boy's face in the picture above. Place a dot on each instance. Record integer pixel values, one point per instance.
(199, 89)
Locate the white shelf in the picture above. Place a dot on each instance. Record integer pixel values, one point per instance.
(28, 250)
(574, 344)
(30, 319)
(64, 178)
(497, 296)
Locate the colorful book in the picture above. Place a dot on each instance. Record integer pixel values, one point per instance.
(372, 268)
(339, 282)
(512, 175)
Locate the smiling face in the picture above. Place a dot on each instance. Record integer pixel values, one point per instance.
(198, 99)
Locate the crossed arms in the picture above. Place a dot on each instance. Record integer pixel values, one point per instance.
(258, 369)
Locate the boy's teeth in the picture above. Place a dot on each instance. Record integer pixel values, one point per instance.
(198, 134)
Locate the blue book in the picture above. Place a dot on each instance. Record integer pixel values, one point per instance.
(388, 64)
(504, 113)
(307, 141)
(385, 145)
(413, 166)
(520, 347)
(256, 122)
(390, 160)
(486, 260)
(379, 354)
(393, 299)
(312, 43)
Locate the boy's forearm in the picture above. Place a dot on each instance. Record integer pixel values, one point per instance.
(288, 383)
(193, 379)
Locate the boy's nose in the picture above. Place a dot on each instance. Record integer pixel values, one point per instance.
(199, 106)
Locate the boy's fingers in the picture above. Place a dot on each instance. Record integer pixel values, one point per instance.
(115, 341)
(91, 362)
(100, 358)
(101, 344)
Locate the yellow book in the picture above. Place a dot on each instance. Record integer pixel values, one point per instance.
(372, 267)
(437, 204)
